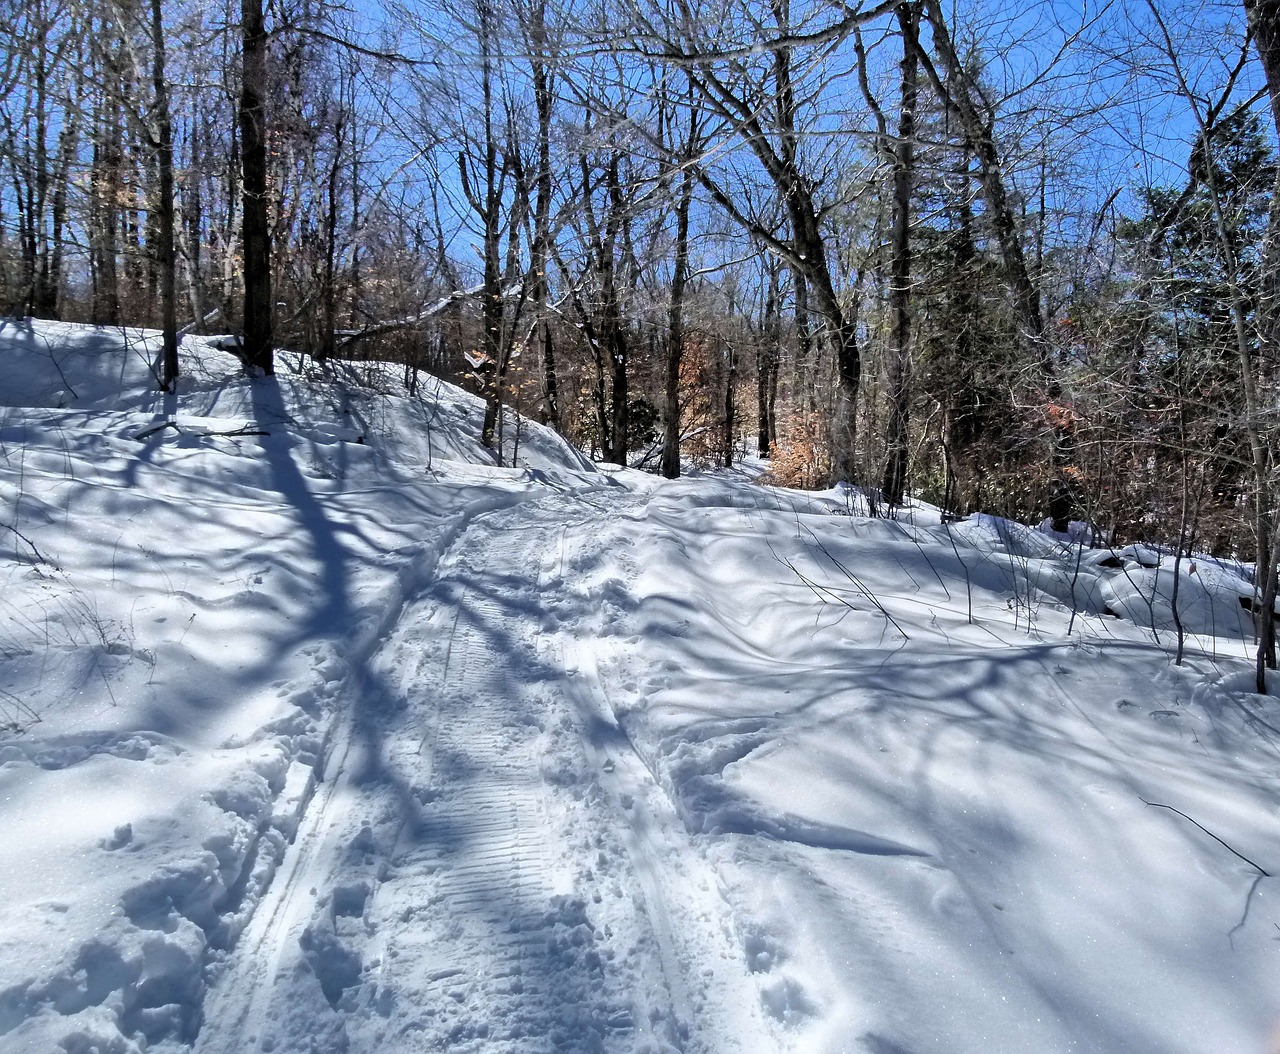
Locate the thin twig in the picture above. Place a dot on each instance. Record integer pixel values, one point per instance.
(1156, 805)
(38, 554)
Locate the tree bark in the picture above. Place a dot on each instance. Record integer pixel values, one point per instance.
(895, 471)
(675, 332)
(685, 158)
(1264, 21)
(767, 360)
(256, 232)
(540, 256)
(166, 249)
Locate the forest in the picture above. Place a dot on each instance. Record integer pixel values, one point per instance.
(1009, 257)
(639, 526)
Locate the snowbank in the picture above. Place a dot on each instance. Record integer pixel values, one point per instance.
(191, 584)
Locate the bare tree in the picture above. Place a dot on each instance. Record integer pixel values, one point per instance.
(1264, 21)
(757, 72)
(256, 231)
(895, 472)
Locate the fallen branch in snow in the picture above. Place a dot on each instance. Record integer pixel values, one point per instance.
(1156, 805)
(245, 430)
(195, 324)
(149, 432)
(40, 557)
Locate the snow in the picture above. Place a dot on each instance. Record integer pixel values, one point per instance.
(324, 732)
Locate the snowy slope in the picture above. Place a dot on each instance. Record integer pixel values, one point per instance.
(325, 733)
(932, 826)
(185, 612)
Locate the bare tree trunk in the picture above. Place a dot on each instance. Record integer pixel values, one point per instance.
(329, 291)
(895, 471)
(1264, 21)
(51, 276)
(104, 219)
(540, 256)
(675, 332)
(166, 250)
(767, 359)
(692, 146)
(730, 407)
(258, 327)
(805, 359)
(484, 190)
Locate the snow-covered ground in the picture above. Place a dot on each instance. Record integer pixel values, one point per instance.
(324, 733)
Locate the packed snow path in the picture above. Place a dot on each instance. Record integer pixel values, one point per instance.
(487, 864)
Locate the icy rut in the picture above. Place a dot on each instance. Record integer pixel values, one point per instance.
(487, 867)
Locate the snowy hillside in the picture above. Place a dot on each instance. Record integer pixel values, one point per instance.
(324, 733)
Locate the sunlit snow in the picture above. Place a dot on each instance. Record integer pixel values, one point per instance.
(323, 732)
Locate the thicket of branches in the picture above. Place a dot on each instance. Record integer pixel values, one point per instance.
(973, 254)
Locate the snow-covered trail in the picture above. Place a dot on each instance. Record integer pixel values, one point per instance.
(609, 762)
(488, 865)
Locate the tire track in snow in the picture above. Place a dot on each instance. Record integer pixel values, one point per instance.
(467, 879)
(490, 947)
(698, 961)
(494, 882)
(238, 1010)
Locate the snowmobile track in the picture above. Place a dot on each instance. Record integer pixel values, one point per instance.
(448, 891)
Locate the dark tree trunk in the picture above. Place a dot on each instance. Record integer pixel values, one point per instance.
(258, 336)
(767, 360)
(328, 337)
(543, 101)
(675, 332)
(895, 471)
(1264, 21)
(615, 325)
(104, 220)
(166, 252)
(484, 194)
(38, 253)
(805, 364)
(730, 408)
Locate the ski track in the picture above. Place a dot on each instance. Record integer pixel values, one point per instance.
(488, 865)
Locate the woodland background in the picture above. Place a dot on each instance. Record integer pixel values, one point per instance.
(1013, 257)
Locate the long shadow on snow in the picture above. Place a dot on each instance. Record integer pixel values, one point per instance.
(488, 603)
(964, 715)
(331, 619)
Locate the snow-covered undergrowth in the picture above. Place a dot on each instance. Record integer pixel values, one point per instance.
(324, 733)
